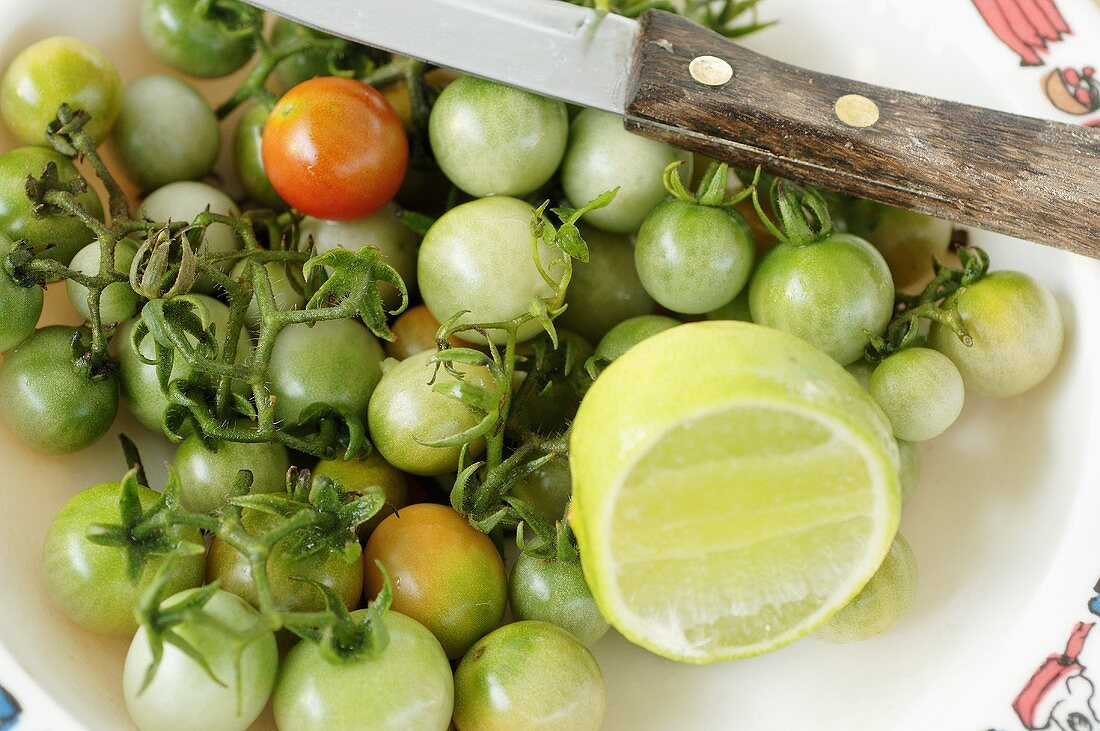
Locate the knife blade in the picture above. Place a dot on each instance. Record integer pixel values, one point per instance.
(675, 81)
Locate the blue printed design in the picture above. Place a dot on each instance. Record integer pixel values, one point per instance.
(9, 711)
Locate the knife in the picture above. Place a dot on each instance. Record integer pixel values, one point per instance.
(677, 82)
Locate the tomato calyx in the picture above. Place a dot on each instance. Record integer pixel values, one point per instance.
(554, 542)
(804, 216)
(712, 190)
(936, 303)
(335, 515)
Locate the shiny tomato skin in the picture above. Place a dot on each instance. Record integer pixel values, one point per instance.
(334, 148)
(446, 574)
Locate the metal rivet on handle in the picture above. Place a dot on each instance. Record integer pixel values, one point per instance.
(710, 70)
(856, 110)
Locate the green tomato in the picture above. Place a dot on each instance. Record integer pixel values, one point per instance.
(138, 380)
(382, 229)
(334, 362)
(231, 569)
(183, 201)
(287, 297)
(48, 403)
(829, 293)
(606, 289)
(91, 583)
(477, 257)
(406, 686)
(547, 489)
(909, 241)
(629, 333)
(22, 306)
(118, 302)
(909, 470)
(1017, 331)
(182, 691)
(492, 139)
(56, 71)
(861, 370)
(602, 155)
(247, 146)
(529, 675)
(555, 591)
(166, 132)
(207, 475)
(735, 309)
(66, 233)
(693, 258)
(361, 475)
(406, 412)
(446, 574)
(197, 42)
(920, 390)
(301, 66)
(882, 603)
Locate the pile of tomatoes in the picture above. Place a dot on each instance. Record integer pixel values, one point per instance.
(449, 200)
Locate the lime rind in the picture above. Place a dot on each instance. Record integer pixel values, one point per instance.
(720, 366)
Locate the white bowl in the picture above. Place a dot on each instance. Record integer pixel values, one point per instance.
(1003, 523)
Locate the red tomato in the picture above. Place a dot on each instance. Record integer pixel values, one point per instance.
(334, 148)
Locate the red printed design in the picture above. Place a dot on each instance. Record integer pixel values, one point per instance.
(1029, 28)
(1059, 694)
(1025, 26)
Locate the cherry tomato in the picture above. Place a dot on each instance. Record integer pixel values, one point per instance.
(601, 156)
(606, 289)
(405, 412)
(882, 603)
(138, 380)
(414, 332)
(182, 691)
(118, 302)
(406, 686)
(248, 157)
(383, 230)
(529, 675)
(1017, 331)
(629, 333)
(207, 475)
(829, 293)
(909, 471)
(91, 583)
(360, 475)
(22, 306)
(555, 591)
(446, 574)
(693, 258)
(920, 390)
(477, 257)
(908, 240)
(334, 362)
(287, 296)
(165, 132)
(67, 234)
(492, 139)
(314, 62)
(547, 489)
(56, 71)
(334, 148)
(182, 201)
(203, 43)
(231, 569)
(49, 404)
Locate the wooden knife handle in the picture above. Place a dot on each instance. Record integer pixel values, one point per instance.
(1025, 177)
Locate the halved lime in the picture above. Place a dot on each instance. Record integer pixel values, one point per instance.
(733, 488)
